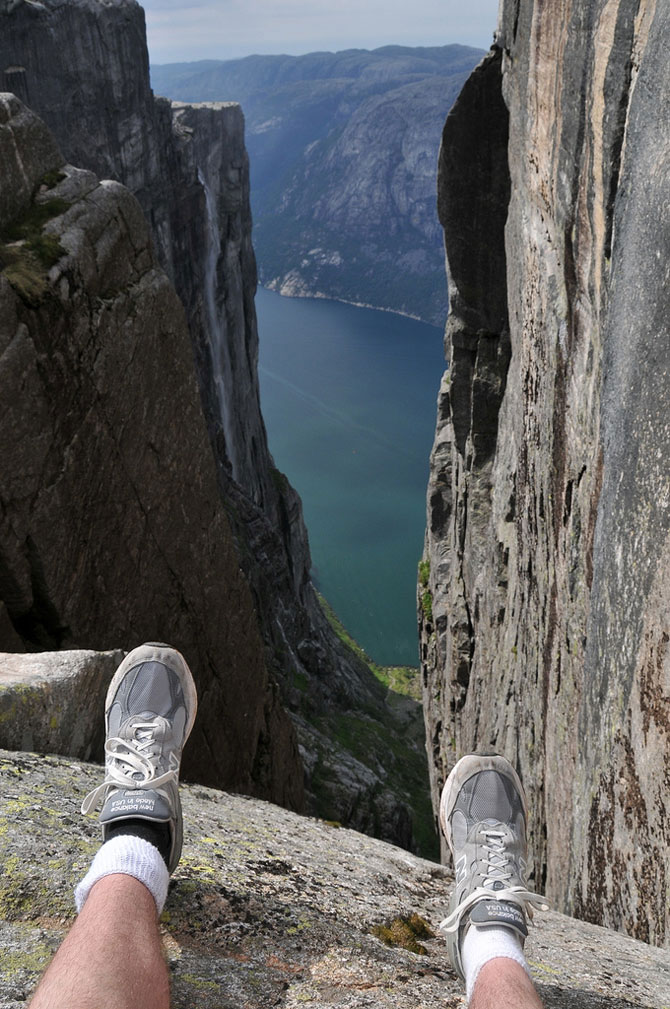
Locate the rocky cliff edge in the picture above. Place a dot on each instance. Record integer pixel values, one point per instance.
(270, 908)
(112, 526)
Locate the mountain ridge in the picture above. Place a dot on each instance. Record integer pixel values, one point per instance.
(343, 151)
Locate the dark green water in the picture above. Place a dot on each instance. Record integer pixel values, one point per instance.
(349, 396)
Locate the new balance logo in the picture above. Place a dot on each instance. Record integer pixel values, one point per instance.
(461, 869)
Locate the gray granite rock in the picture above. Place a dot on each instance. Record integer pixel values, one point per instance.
(472, 204)
(28, 151)
(66, 61)
(549, 563)
(267, 907)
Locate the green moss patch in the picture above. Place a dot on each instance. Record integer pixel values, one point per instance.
(27, 253)
(405, 932)
(29, 226)
(51, 179)
(376, 738)
(26, 965)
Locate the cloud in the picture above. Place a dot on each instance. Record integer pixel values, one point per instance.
(219, 29)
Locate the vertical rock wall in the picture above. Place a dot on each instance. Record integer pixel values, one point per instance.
(83, 67)
(549, 555)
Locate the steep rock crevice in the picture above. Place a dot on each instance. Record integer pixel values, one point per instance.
(472, 206)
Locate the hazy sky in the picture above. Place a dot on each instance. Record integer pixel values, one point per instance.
(180, 30)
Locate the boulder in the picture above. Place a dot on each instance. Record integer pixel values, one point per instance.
(52, 702)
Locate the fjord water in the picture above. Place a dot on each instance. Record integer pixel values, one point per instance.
(349, 396)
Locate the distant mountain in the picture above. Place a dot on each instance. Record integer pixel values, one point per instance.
(343, 150)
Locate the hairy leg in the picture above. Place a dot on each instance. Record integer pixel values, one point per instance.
(503, 984)
(112, 956)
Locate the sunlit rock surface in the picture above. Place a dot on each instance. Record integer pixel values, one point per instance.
(548, 523)
(270, 908)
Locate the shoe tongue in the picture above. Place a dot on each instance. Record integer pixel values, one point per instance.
(142, 726)
(141, 803)
(145, 741)
(489, 912)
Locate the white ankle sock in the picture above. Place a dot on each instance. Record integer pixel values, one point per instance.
(483, 944)
(130, 855)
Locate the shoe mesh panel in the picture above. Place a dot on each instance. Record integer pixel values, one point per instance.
(490, 796)
(150, 690)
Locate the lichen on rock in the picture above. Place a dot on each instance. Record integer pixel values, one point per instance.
(268, 907)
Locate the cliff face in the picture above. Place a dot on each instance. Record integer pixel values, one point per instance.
(548, 528)
(83, 66)
(110, 500)
(270, 908)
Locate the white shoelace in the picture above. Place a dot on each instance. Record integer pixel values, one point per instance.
(496, 862)
(125, 760)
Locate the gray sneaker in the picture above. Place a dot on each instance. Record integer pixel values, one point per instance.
(483, 818)
(149, 713)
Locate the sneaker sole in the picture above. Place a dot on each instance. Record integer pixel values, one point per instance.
(466, 767)
(168, 656)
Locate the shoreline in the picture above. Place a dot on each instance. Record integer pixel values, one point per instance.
(320, 296)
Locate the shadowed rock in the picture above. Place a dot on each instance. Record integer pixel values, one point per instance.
(112, 527)
(83, 66)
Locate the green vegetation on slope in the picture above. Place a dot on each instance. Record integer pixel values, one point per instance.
(400, 679)
(27, 253)
(396, 744)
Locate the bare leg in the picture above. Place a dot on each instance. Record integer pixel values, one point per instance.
(112, 957)
(503, 984)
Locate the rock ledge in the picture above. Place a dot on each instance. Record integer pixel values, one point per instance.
(271, 908)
